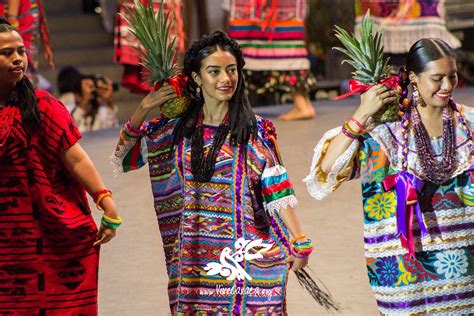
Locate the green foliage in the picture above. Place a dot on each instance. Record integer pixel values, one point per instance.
(152, 30)
(366, 54)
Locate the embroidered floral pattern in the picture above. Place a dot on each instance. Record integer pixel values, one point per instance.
(387, 270)
(381, 205)
(451, 263)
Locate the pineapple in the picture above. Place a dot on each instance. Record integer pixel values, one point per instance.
(158, 53)
(366, 56)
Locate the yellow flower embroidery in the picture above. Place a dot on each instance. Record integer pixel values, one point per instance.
(405, 277)
(381, 205)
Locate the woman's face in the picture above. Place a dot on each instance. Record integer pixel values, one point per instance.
(218, 76)
(13, 60)
(437, 81)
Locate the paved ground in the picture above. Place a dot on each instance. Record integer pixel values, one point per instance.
(132, 273)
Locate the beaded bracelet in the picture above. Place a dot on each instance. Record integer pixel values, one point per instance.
(110, 222)
(361, 126)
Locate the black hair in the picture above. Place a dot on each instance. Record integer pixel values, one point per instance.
(69, 80)
(242, 120)
(23, 95)
(426, 50)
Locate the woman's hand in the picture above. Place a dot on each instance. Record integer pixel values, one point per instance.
(297, 263)
(157, 98)
(104, 235)
(373, 100)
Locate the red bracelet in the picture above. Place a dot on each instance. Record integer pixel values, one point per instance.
(363, 129)
(96, 195)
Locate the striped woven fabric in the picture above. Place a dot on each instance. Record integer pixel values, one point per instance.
(202, 223)
(48, 263)
(404, 22)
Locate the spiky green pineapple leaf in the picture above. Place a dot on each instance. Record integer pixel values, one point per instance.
(364, 54)
(152, 29)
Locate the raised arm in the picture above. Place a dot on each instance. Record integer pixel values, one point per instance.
(370, 102)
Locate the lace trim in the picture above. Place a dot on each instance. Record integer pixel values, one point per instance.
(453, 306)
(317, 188)
(427, 247)
(443, 289)
(388, 290)
(121, 151)
(281, 204)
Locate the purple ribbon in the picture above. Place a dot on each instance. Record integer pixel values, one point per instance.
(406, 187)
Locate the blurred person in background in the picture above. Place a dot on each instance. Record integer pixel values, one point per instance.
(133, 77)
(89, 98)
(272, 36)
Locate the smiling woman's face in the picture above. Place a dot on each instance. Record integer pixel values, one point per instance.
(218, 76)
(13, 60)
(437, 81)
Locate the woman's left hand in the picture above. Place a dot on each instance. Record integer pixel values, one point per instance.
(104, 235)
(297, 263)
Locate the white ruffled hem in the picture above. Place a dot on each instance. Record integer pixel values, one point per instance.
(281, 204)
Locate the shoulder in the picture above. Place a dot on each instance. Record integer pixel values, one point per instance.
(265, 128)
(49, 104)
(468, 113)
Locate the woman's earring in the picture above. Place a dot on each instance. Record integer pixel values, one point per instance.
(198, 90)
(419, 99)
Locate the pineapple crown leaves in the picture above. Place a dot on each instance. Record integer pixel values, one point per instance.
(152, 29)
(366, 54)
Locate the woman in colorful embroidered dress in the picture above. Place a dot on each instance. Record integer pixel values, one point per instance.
(272, 36)
(218, 183)
(417, 187)
(47, 234)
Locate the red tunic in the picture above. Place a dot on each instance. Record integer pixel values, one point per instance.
(48, 265)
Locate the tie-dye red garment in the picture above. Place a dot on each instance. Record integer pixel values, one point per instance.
(47, 263)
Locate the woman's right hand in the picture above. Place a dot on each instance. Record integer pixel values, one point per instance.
(157, 98)
(373, 100)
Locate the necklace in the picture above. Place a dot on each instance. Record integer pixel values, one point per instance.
(436, 171)
(203, 167)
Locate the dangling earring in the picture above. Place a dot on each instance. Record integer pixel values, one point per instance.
(417, 96)
(198, 94)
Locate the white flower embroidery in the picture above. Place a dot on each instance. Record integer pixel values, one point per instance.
(451, 263)
(229, 266)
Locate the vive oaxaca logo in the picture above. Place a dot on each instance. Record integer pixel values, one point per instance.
(229, 263)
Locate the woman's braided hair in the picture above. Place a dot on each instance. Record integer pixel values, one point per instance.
(23, 95)
(242, 120)
(420, 54)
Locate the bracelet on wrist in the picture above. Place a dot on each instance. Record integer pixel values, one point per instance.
(361, 126)
(99, 197)
(110, 222)
(347, 131)
(302, 249)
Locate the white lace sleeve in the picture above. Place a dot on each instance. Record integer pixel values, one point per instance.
(320, 185)
(124, 151)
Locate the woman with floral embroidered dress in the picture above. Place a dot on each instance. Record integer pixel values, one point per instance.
(223, 199)
(417, 186)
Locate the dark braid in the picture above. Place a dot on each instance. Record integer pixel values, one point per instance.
(242, 122)
(23, 95)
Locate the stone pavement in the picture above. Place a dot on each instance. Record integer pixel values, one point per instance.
(132, 273)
